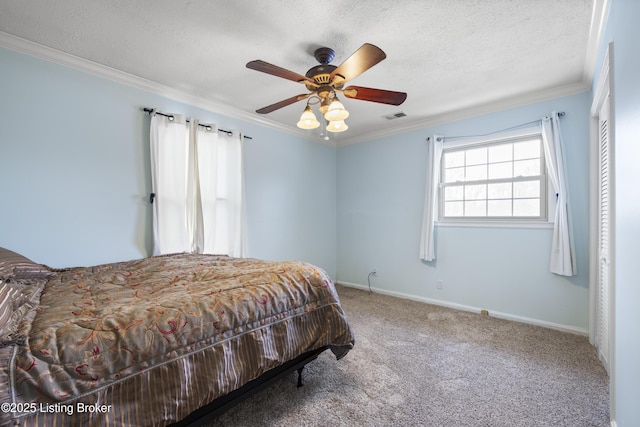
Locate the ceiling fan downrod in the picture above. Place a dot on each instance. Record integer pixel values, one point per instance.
(324, 55)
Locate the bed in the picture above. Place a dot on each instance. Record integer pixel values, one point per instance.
(155, 341)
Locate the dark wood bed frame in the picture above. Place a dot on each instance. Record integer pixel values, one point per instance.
(224, 403)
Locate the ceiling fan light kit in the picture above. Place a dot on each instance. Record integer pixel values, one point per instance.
(337, 126)
(336, 111)
(324, 106)
(324, 81)
(308, 119)
(335, 115)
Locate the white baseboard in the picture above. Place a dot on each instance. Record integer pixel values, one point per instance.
(496, 314)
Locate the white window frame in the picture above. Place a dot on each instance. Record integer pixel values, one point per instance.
(546, 189)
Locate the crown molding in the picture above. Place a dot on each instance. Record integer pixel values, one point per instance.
(596, 30)
(46, 53)
(465, 113)
(39, 51)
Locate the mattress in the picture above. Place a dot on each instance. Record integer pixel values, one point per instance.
(146, 342)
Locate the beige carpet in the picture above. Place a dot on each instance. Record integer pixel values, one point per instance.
(416, 364)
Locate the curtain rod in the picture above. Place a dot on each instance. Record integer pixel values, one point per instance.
(560, 114)
(228, 132)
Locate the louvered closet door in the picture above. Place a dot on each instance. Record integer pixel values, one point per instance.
(604, 235)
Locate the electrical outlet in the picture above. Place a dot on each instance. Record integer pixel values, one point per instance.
(439, 284)
(374, 271)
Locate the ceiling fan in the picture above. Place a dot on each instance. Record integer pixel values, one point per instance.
(324, 81)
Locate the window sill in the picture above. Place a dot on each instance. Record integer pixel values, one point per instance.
(496, 224)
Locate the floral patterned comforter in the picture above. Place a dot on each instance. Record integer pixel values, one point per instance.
(112, 333)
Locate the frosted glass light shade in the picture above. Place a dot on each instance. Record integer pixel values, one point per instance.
(337, 126)
(324, 106)
(336, 111)
(308, 119)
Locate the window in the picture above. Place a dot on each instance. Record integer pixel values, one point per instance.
(197, 179)
(496, 180)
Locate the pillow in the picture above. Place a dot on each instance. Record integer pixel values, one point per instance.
(18, 267)
(18, 304)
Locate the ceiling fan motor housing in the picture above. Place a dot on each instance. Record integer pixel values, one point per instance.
(321, 74)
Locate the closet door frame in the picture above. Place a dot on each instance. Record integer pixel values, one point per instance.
(602, 101)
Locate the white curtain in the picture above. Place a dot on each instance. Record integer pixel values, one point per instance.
(430, 210)
(219, 171)
(197, 179)
(563, 260)
(172, 183)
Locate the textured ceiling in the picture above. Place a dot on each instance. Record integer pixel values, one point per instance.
(450, 56)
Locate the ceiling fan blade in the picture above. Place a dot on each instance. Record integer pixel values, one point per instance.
(360, 61)
(375, 95)
(274, 70)
(283, 103)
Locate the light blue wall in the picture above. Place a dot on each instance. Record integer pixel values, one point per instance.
(622, 29)
(506, 270)
(74, 172)
(291, 199)
(74, 178)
